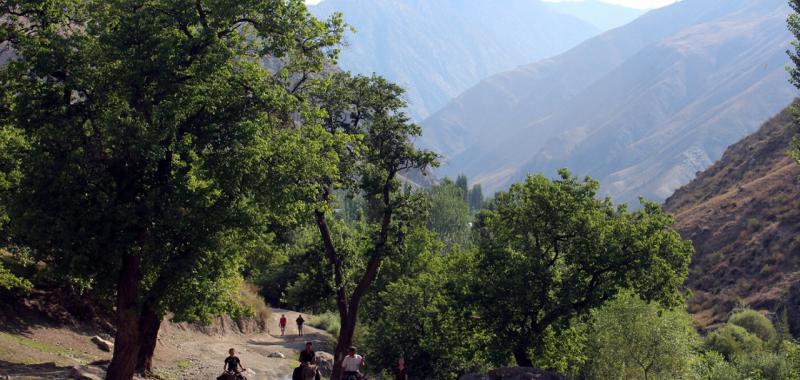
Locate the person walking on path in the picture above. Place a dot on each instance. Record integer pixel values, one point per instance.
(282, 324)
(400, 372)
(300, 321)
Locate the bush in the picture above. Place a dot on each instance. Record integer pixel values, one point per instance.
(634, 339)
(250, 298)
(713, 366)
(766, 366)
(732, 341)
(755, 323)
(327, 321)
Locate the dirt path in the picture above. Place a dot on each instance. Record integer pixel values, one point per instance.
(184, 351)
(193, 356)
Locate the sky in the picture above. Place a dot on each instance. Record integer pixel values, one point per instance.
(640, 4)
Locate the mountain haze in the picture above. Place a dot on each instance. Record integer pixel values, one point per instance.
(642, 107)
(603, 16)
(437, 49)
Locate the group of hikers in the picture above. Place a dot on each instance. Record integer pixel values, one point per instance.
(300, 321)
(350, 369)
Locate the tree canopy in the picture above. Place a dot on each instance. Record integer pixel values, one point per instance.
(157, 138)
(550, 251)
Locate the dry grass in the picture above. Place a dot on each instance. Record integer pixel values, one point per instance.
(743, 216)
(249, 296)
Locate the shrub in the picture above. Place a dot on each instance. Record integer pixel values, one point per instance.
(766, 366)
(250, 298)
(732, 341)
(713, 366)
(755, 323)
(328, 321)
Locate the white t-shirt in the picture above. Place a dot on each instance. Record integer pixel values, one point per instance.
(352, 363)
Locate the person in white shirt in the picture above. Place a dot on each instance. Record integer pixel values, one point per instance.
(351, 364)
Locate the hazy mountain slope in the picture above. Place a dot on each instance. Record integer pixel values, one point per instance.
(437, 49)
(641, 108)
(743, 215)
(603, 16)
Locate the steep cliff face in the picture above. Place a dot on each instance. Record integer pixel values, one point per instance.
(743, 215)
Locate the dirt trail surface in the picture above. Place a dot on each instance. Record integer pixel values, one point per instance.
(184, 351)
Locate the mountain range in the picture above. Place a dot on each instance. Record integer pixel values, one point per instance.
(743, 216)
(601, 15)
(437, 49)
(642, 108)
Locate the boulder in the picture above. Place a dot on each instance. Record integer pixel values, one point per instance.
(86, 373)
(515, 373)
(276, 355)
(324, 363)
(103, 344)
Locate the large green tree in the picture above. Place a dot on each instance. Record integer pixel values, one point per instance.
(794, 53)
(364, 115)
(449, 214)
(551, 250)
(158, 141)
(634, 339)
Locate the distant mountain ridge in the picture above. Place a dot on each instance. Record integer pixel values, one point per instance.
(743, 216)
(438, 48)
(642, 107)
(601, 15)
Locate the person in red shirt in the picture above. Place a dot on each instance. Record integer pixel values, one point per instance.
(282, 324)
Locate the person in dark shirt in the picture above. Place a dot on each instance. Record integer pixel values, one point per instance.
(300, 321)
(308, 355)
(232, 363)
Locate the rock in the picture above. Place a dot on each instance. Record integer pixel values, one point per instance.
(276, 355)
(86, 373)
(103, 344)
(324, 363)
(515, 373)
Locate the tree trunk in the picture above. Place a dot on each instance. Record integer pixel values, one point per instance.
(521, 357)
(126, 342)
(346, 332)
(149, 324)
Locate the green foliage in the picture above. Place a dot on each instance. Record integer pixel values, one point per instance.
(733, 341)
(12, 282)
(634, 339)
(793, 23)
(755, 323)
(327, 321)
(794, 53)
(476, 197)
(551, 251)
(425, 318)
(463, 184)
(712, 365)
(159, 144)
(449, 214)
(12, 145)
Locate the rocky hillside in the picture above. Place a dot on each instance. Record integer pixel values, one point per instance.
(437, 49)
(743, 215)
(641, 108)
